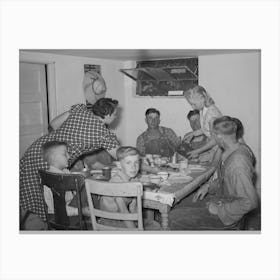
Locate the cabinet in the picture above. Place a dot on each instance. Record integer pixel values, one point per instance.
(164, 77)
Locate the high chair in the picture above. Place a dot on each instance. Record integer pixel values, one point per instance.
(131, 189)
(59, 183)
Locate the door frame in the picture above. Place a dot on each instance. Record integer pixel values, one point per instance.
(51, 84)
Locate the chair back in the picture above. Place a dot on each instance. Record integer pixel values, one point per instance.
(102, 188)
(59, 183)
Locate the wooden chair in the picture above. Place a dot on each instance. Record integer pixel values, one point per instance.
(133, 189)
(59, 184)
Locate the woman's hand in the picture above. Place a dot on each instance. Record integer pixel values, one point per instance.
(193, 154)
(200, 194)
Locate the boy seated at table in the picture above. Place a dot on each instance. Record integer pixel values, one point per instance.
(191, 142)
(56, 155)
(128, 168)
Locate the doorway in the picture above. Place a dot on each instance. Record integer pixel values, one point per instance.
(34, 107)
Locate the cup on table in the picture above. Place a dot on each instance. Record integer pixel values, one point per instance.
(163, 175)
(106, 171)
(156, 179)
(183, 166)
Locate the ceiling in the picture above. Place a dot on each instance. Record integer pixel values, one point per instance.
(139, 54)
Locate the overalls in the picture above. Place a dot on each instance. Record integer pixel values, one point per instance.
(158, 145)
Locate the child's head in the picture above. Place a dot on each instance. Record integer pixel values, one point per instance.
(129, 161)
(55, 153)
(198, 98)
(224, 131)
(239, 129)
(194, 119)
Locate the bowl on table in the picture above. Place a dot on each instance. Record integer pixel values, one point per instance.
(150, 187)
(97, 174)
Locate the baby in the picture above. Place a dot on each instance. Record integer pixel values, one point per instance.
(56, 155)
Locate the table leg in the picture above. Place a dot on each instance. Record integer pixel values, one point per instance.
(149, 214)
(164, 221)
(162, 208)
(164, 217)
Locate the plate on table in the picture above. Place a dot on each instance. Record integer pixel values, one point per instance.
(196, 168)
(179, 178)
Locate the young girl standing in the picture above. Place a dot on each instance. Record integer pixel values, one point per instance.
(200, 100)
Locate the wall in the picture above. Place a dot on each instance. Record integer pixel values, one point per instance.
(232, 80)
(69, 76)
(173, 111)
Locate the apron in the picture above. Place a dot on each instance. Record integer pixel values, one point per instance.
(158, 146)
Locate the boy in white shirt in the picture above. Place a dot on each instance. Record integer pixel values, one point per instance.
(128, 168)
(56, 155)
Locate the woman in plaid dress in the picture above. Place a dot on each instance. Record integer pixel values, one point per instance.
(84, 131)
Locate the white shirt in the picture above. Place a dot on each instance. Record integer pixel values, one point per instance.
(207, 116)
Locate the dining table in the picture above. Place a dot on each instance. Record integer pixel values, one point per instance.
(172, 191)
(169, 192)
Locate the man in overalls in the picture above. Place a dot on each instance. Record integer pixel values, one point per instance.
(197, 141)
(157, 140)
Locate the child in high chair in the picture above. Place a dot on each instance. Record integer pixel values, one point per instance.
(128, 167)
(56, 155)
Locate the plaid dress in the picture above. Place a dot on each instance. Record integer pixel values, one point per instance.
(82, 131)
